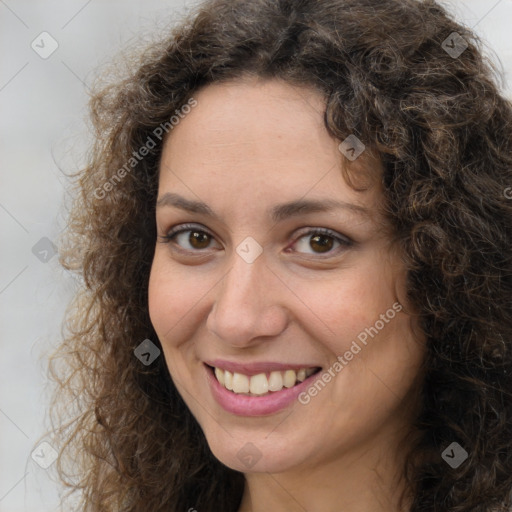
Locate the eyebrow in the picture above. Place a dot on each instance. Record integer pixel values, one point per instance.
(277, 213)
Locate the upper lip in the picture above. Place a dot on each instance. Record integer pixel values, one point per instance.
(255, 368)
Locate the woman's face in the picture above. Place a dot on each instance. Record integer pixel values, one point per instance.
(261, 282)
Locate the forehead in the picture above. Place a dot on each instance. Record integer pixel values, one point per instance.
(250, 117)
(257, 139)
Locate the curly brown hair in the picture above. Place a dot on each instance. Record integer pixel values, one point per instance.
(443, 133)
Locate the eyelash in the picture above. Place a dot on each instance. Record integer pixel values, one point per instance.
(183, 228)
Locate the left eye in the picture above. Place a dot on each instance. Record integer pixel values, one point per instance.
(320, 240)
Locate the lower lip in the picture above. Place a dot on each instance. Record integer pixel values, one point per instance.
(244, 405)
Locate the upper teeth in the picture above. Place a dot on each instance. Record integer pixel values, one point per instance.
(260, 384)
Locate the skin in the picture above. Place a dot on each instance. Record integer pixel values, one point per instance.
(247, 146)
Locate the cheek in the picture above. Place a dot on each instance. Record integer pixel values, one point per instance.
(171, 299)
(161, 297)
(173, 296)
(343, 306)
(172, 293)
(381, 356)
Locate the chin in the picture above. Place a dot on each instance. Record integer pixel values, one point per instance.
(256, 454)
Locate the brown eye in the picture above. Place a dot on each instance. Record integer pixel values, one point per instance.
(198, 239)
(189, 238)
(321, 243)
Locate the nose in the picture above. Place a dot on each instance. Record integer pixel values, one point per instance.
(248, 304)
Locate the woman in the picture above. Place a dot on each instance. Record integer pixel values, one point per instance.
(295, 243)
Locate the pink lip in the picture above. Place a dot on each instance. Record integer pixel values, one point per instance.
(243, 405)
(250, 369)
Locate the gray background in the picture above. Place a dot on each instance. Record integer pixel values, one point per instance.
(42, 128)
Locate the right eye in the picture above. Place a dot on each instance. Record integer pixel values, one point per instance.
(188, 237)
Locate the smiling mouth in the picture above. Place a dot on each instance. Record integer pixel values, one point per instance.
(263, 383)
